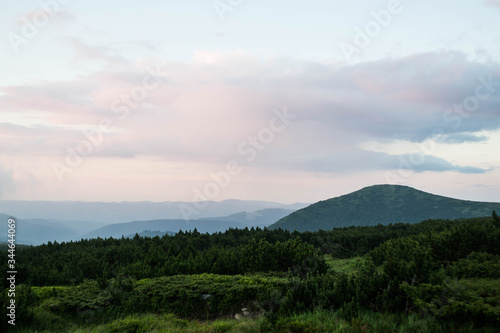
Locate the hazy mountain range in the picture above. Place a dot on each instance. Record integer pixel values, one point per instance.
(40, 222)
(260, 218)
(382, 204)
(116, 212)
(38, 231)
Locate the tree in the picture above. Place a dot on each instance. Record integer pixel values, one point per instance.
(496, 219)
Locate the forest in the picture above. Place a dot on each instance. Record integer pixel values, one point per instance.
(432, 276)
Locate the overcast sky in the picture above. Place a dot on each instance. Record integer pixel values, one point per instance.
(288, 101)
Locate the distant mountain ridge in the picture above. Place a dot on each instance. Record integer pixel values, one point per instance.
(118, 212)
(382, 204)
(261, 218)
(38, 231)
(43, 221)
(151, 233)
(117, 230)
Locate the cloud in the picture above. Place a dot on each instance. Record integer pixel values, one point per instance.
(433, 163)
(493, 3)
(458, 138)
(86, 52)
(202, 111)
(64, 16)
(355, 160)
(483, 186)
(6, 181)
(35, 140)
(59, 16)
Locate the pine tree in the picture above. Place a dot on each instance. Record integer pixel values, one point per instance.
(496, 219)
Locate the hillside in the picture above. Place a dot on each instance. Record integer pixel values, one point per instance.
(241, 220)
(382, 204)
(118, 230)
(38, 231)
(167, 284)
(151, 234)
(260, 218)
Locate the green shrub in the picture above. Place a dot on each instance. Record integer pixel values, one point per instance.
(476, 265)
(460, 300)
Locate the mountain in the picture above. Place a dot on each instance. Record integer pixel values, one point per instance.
(118, 212)
(151, 233)
(261, 218)
(382, 204)
(117, 230)
(38, 231)
(241, 220)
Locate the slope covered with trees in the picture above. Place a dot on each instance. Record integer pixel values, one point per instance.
(382, 204)
(434, 276)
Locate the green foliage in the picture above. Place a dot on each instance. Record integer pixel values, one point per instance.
(200, 296)
(234, 252)
(348, 266)
(192, 296)
(496, 219)
(459, 300)
(370, 321)
(357, 241)
(476, 265)
(409, 261)
(24, 299)
(433, 276)
(291, 325)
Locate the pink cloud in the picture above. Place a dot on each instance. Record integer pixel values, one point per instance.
(202, 112)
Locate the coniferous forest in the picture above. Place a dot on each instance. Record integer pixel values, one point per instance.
(433, 276)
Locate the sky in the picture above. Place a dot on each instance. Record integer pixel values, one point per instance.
(286, 101)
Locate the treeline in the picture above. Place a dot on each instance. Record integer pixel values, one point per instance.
(186, 253)
(451, 275)
(445, 270)
(236, 251)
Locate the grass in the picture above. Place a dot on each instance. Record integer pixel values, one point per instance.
(162, 323)
(50, 315)
(311, 322)
(349, 266)
(369, 321)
